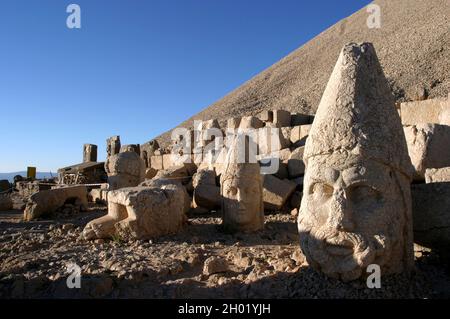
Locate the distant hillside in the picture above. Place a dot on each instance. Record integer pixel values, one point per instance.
(39, 175)
(412, 45)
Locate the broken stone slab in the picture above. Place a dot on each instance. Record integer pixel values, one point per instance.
(179, 173)
(296, 166)
(141, 212)
(233, 123)
(113, 145)
(437, 175)
(250, 122)
(156, 162)
(98, 195)
(299, 133)
(124, 170)
(435, 111)
(131, 148)
(428, 147)
(206, 192)
(276, 191)
(431, 214)
(148, 150)
(89, 153)
(48, 201)
(281, 118)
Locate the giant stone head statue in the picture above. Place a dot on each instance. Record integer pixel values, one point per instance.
(356, 205)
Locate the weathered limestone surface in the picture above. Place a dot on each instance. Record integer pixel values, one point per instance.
(113, 145)
(250, 122)
(89, 153)
(356, 205)
(131, 148)
(437, 175)
(435, 111)
(299, 133)
(266, 116)
(206, 193)
(271, 140)
(431, 214)
(276, 191)
(48, 201)
(241, 191)
(141, 212)
(233, 123)
(156, 162)
(179, 173)
(428, 147)
(148, 150)
(124, 170)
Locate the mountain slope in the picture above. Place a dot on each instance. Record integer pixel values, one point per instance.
(412, 45)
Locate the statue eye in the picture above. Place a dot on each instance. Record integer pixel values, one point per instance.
(321, 189)
(361, 193)
(232, 190)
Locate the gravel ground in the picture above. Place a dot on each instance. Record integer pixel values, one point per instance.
(200, 262)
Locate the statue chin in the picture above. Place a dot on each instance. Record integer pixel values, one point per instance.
(343, 255)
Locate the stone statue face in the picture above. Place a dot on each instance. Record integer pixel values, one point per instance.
(352, 215)
(241, 192)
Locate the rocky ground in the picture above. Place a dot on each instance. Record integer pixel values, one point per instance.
(200, 262)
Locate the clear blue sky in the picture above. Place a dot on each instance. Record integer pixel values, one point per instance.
(135, 68)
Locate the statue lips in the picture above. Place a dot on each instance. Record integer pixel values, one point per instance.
(339, 246)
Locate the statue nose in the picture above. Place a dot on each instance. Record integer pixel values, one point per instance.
(340, 216)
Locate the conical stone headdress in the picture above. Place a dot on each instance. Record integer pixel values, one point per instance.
(356, 116)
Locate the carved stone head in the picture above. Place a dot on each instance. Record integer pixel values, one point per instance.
(356, 205)
(241, 191)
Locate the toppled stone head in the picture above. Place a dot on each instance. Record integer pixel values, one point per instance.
(356, 205)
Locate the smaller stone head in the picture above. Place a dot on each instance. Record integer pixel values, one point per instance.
(241, 191)
(125, 169)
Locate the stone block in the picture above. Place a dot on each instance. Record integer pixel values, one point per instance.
(437, 175)
(266, 116)
(48, 201)
(156, 162)
(281, 118)
(250, 122)
(435, 111)
(276, 191)
(428, 147)
(299, 133)
(431, 214)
